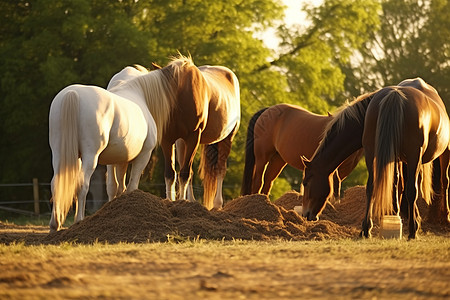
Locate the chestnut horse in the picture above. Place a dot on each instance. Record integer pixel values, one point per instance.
(414, 112)
(280, 135)
(203, 107)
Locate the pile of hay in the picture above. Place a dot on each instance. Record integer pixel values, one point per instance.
(142, 217)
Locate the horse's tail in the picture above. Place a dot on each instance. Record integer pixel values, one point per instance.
(387, 150)
(249, 167)
(427, 182)
(208, 170)
(213, 166)
(66, 179)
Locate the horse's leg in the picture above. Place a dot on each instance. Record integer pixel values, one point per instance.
(116, 180)
(224, 149)
(169, 169)
(88, 165)
(414, 180)
(404, 202)
(218, 199)
(121, 172)
(262, 157)
(274, 167)
(112, 184)
(444, 210)
(395, 189)
(55, 222)
(336, 186)
(258, 176)
(137, 167)
(192, 143)
(367, 223)
(180, 150)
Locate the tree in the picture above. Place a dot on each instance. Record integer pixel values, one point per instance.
(45, 46)
(413, 40)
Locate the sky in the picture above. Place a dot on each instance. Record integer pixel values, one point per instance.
(293, 15)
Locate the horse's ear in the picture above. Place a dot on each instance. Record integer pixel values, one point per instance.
(155, 66)
(329, 114)
(305, 161)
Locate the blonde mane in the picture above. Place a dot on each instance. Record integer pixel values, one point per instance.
(160, 90)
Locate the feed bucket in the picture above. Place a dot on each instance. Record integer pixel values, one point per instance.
(391, 227)
(298, 209)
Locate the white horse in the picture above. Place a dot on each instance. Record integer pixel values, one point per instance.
(89, 125)
(116, 173)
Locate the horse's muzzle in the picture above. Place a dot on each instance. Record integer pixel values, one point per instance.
(310, 217)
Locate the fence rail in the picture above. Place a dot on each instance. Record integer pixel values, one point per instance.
(35, 184)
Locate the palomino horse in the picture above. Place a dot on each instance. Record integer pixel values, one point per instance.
(362, 122)
(280, 135)
(204, 108)
(89, 125)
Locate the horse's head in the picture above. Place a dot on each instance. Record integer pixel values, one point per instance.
(317, 191)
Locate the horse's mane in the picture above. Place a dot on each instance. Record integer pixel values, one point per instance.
(160, 90)
(355, 110)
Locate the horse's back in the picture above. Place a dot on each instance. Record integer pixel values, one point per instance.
(420, 84)
(426, 124)
(125, 74)
(109, 126)
(290, 130)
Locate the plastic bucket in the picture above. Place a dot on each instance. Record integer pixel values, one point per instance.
(391, 227)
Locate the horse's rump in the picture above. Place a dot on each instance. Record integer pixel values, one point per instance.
(223, 105)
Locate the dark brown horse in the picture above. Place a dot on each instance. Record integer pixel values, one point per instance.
(415, 113)
(280, 135)
(203, 105)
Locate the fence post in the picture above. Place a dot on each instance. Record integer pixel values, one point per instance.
(36, 196)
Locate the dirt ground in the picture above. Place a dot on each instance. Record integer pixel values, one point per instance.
(140, 246)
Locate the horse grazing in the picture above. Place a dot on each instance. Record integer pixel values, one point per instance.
(280, 135)
(202, 107)
(423, 135)
(89, 125)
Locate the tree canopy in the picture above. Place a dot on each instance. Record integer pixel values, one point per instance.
(344, 48)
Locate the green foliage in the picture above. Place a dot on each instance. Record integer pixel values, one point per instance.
(413, 40)
(344, 49)
(279, 188)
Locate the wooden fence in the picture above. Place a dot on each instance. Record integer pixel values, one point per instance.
(35, 185)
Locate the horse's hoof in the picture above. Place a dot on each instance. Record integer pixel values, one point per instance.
(365, 235)
(412, 236)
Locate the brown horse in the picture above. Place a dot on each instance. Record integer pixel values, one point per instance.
(202, 106)
(280, 135)
(414, 111)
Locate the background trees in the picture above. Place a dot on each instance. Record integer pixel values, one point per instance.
(345, 48)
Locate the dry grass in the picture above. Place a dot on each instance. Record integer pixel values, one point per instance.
(229, 270)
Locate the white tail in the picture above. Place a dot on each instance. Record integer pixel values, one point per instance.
(66, 179)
